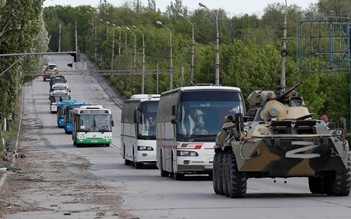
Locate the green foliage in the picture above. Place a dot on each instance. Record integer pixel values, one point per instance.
(22, 31)
(249, 48)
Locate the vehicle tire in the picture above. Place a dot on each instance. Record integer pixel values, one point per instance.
(44, 79)
(107, 145)
(74, 143)
(338, 183)
(162, 172)
(127, 162)
(225, 174)
(138, 165)
(217, 173)
(178, 176)
(237, 181)
(316, 184)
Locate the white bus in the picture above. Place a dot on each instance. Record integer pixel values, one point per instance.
(138, 131)
(188, 121)
(92, 125)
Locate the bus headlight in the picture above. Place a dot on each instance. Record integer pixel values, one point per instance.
(187, 153)
(145, 148)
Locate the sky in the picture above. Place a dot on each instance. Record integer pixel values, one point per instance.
(232, 7)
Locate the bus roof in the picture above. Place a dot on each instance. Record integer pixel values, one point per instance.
(145, 96)
(207, 88)
(66, 102)
(92, 107)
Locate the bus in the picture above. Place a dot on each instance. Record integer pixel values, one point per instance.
(67, 124)
(92, 125)
(188, 121)
(56, 97)
(138, 129)
(60, 111)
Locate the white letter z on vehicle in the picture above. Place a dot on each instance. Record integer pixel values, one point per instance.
(296, 153)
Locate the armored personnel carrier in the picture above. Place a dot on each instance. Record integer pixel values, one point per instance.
(281, 140)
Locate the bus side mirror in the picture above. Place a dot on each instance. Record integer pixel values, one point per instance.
(136, 117)
(174, 110)
(112, 123)
(173, 120)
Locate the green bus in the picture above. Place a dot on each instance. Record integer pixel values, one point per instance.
(92, 125)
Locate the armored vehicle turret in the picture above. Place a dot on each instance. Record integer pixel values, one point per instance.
(281, 140)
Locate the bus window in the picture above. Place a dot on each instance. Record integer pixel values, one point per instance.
(102, 123)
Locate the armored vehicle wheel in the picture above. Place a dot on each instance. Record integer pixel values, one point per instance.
(218, 174)
(215, 172)
(316, 184)
(338, 183)
(237, 182)
(225, 173)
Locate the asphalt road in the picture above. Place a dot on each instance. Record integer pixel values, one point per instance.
(148, 195)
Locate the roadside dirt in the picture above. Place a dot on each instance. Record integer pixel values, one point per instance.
(46, 183)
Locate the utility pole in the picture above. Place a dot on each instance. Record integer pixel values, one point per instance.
(59, 46)
(284, 52)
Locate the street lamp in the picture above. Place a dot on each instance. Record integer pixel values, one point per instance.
(125, 35)
(135, 59)
(119, 38)
(284, 52)
(143, 62)
(217, 43)
(170, 55)
(192, 49)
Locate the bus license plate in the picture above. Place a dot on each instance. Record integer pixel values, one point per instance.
(208, 167)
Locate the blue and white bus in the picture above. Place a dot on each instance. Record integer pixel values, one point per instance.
(68, 115)
(60, 115)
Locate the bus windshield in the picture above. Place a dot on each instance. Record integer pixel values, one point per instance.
(201, 113)
(95, 123)
(147, 124)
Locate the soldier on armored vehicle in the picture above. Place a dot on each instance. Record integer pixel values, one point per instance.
(282, 140)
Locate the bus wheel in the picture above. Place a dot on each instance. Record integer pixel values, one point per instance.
(74, 143)
(162, 172)
(138, 165)
(178, 176)
(127, 162)
(107, 145)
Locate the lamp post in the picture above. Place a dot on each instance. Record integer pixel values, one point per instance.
(143, 62)
(125, 35)
(135, 58)
(134, 50)
(192, 49)
(170, 55)
(284, 52)
(217, 43)
(119, 38)
(94, 26)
